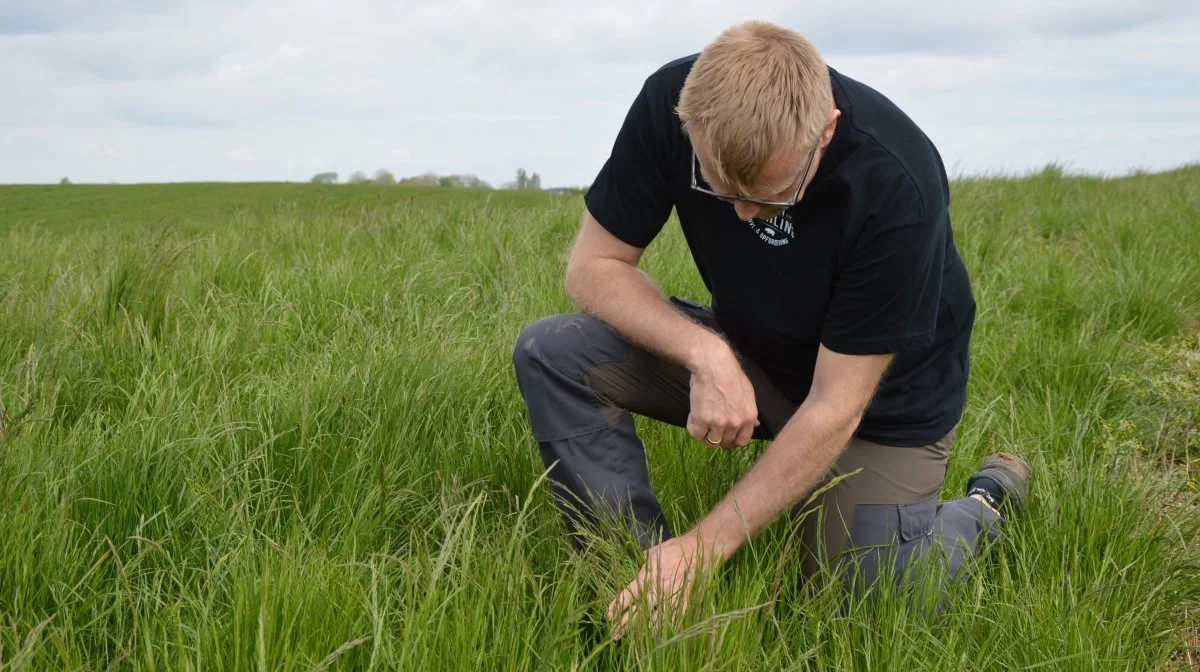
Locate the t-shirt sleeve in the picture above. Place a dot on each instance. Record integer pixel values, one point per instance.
(631, 196)
(887, 294)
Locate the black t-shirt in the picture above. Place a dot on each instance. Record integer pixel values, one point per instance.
(865, 263)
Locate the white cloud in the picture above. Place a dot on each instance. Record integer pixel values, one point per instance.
(485, 87)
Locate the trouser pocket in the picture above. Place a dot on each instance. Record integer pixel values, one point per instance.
(886, 538)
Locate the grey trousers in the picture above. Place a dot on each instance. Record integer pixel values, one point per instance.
(581, 381)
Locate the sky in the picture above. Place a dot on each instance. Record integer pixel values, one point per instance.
(237, 90)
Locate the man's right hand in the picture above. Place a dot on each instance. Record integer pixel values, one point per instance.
(603, 279)
(723, 409)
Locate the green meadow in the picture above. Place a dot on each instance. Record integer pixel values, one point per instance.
(275, 427)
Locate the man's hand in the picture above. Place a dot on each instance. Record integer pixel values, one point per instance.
(723, 408)
(663, 583)
(801, 454)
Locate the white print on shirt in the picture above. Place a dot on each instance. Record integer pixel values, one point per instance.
(777, 231)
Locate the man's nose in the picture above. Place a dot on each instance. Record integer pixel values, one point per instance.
(746, 211)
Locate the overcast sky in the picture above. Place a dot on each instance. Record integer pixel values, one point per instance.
(170, 90)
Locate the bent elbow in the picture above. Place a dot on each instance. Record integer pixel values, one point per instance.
(572, 279)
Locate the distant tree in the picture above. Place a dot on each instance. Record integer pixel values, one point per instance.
(325, 178)
(358, 177)
(384, 176)
(64, 181)
(471, 181)
(525, 181)
(429, 179)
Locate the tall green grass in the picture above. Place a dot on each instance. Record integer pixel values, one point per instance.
(275, 427)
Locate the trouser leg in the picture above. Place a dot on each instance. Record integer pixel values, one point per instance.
(596, 462)
(581, 382)
(884, 520)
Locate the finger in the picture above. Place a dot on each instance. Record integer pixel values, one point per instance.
(729, 437)
(715, 436)
(622, 601)
(631, 604)
(709, 434)
(696, 428)
(744, 436)
(622, 626)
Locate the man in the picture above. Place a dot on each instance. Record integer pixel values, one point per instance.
(816, 213)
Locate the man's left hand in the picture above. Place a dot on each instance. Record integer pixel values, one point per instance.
(663, 584)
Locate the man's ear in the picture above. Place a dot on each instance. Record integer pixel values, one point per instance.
(827, 134)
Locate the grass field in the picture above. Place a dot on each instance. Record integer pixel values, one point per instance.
(275, 427)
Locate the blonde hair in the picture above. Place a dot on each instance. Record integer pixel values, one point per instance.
(758, 89)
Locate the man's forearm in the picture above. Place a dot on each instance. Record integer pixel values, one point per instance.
(783, 475)
(625, 298)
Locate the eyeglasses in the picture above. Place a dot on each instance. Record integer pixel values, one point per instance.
(770, 204)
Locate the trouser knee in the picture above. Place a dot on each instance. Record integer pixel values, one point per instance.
(551, 359)
(571, 344)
